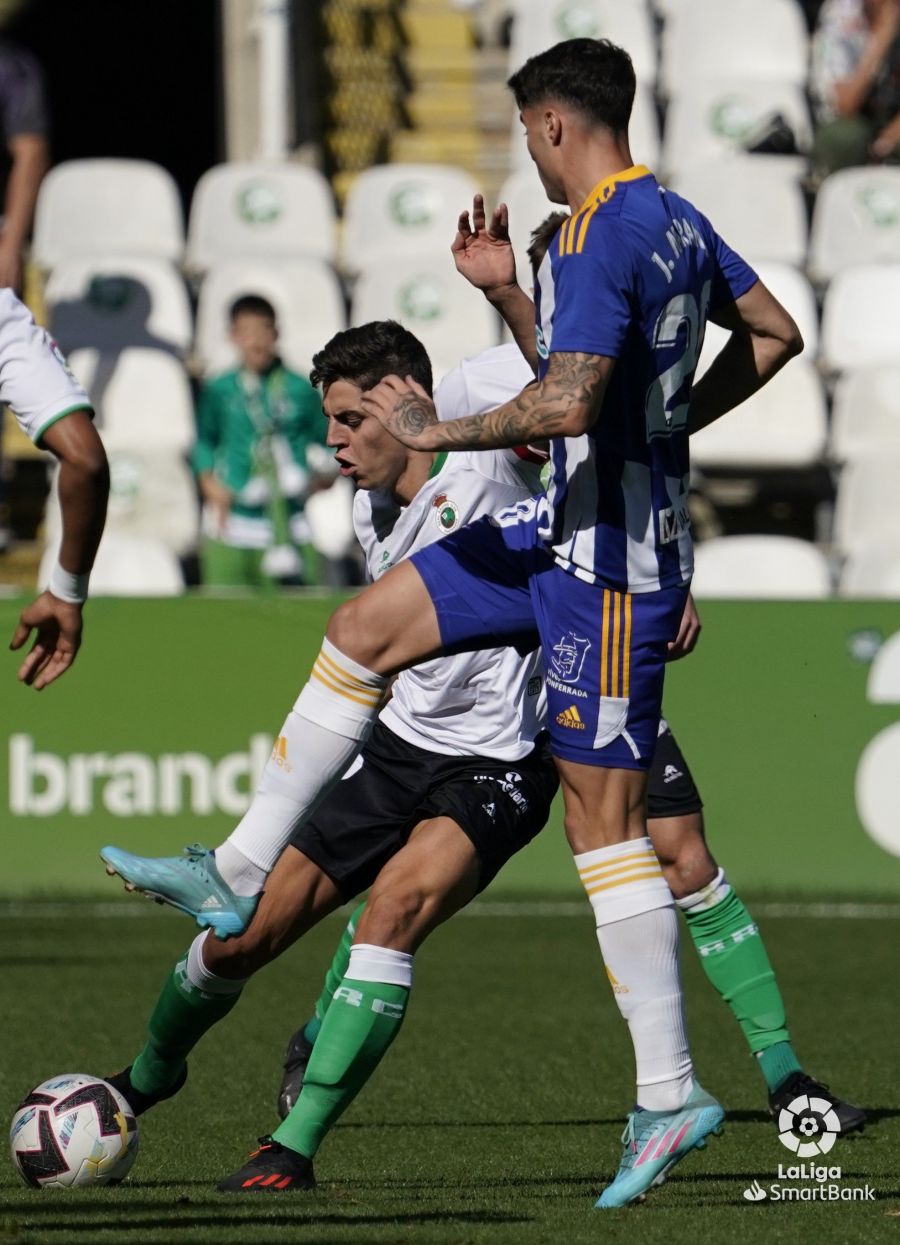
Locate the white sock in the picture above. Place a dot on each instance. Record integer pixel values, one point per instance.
(637, 929)
(323, 733)
(707, 896)
(380, 965)
(241, 874)
(201, 978)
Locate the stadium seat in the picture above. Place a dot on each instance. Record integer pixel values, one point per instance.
(104, 207)
(753, 205)
(258, 210)
(128, 566)
(538, 24)
(401, 210)
(791, 288)
(306, 296)
(873, 572)
(112, 303)
(784, 425)
(766, 567)
(451, 318)
(142, 399)
(643, 133)
(860, 317)
(865, 416)
(707, 120)
(856, 220)
(867, 508)
(740, 40)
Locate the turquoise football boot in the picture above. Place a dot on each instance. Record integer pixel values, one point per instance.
(191, 883)
(654, 1141)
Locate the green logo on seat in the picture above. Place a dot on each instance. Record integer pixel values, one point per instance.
(259, 203)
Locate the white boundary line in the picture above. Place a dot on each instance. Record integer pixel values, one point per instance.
(49, 910)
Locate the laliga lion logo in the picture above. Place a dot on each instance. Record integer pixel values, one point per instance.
(815, 1120)
(569, 656)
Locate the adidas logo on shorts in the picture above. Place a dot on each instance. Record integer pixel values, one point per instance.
(570, 717)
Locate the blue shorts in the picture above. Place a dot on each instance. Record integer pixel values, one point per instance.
(493, 583)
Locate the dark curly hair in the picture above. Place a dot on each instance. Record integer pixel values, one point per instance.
(592, 75)
(368, 353)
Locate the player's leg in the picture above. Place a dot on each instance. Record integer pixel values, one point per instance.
(207, 982)
(726, 937)
(387, 627)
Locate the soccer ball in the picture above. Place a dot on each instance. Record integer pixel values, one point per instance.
(71, 1131)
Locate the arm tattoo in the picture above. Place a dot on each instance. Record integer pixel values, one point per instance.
(573, 387)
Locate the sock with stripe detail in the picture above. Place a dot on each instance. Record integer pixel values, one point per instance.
(325, 730)
(361, 1022)
(637, 929)
(735, 960)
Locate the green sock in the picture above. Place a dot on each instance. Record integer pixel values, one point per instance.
(362, 1020)
(735, 961)
(181, 1016)
(333, 978)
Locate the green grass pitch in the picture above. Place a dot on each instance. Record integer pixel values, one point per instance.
(494, 1118)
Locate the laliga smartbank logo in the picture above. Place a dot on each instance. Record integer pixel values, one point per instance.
(136, 784)
(808, 1127)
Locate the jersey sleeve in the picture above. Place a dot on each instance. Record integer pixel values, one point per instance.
(23, 103)
(732, 277)
(35, 381)
(592, 301)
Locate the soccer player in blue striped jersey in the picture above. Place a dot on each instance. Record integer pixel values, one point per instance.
(597, 572)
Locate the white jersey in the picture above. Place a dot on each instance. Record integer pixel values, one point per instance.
(487, 703)
(35, 381)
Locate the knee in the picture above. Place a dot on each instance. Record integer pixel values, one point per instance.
(392, 917)
(352, 631)
(689, 869)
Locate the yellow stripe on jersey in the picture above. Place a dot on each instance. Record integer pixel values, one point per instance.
(599, 872)
(626, 648)
(582, 232)
(604, 646)
(562, 235)
(617, 610)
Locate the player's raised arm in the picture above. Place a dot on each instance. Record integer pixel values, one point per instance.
(763, 339)
(565, 403)
(483, 254)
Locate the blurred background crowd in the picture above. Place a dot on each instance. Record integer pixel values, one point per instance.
(197, 196)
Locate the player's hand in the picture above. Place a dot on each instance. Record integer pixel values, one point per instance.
(58, 625)
(404, 408)
(688, 632)
(483, 253)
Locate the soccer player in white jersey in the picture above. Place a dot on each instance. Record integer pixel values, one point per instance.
(454, 779)
(53, 409)
(599, 569)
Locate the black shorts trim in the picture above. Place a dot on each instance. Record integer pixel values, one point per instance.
(368, 817)
(671, 790)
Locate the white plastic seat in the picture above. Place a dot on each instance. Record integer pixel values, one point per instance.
(539, 24)
(872, 573)
(783, 425)
(103, 207)
(451, 319)
(643, 134)
(856, 220)
(867, 508)
(767, 567)
(128, 566)
(757, 208)
(707, 120)
(112, 303)
(399, 210)
(865, 416)
(860, 316)
(738, 40)
(259, 210)
(306, 296)
(142, 399)
(794, 292)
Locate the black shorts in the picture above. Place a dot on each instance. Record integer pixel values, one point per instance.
(671, 790)
(368, 817)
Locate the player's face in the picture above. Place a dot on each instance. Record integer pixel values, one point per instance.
(539, 125)
(364, 450)
(255, 337)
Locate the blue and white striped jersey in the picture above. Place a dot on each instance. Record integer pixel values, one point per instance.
(632, 276)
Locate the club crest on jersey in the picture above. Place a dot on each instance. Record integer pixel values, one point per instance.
(542, 347)
(568, 657)
(446, 512)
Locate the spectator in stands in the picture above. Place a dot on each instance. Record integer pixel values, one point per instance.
(255, 428)
(855, 83)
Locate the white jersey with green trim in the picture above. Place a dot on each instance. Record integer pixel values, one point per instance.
(487, 703)
(35, 381)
